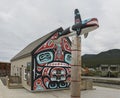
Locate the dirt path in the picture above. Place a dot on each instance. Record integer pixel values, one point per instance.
(3, 79)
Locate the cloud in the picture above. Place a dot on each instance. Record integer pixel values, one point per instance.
(23, 21)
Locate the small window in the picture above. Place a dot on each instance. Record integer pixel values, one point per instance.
(25, 74)
(28, 66)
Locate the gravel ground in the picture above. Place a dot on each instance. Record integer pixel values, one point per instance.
(98, 92)
(3, 79)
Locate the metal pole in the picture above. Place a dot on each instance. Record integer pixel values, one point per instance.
(75, 67)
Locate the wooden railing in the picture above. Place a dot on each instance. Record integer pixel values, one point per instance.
(14, 82)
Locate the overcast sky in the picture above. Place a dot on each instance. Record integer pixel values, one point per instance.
(23, 21)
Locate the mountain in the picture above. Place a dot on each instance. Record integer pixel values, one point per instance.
(106, 57)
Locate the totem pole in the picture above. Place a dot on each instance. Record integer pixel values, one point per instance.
(79, 28)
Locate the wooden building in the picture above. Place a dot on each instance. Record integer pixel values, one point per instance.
(4, 69)
(44, 64)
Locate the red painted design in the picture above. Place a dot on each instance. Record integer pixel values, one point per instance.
(46, 81)
(47, 45)
(50, 74)
(68, 79)
(46, 71)
(66, 45)
(59, 55)
(68, 71)
(38, 82)
(39, 68)
(55, 36)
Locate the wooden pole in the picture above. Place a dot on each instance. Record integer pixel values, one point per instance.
(75, 67)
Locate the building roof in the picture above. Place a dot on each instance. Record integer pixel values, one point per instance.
(28, 49)
(3, 62)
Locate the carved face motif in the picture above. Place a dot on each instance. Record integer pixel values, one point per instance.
(52, 64)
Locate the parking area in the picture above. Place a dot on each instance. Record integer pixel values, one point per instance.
(99, 92)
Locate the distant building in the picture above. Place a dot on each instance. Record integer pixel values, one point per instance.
(109, 70)
(4, 69)
(44, 64)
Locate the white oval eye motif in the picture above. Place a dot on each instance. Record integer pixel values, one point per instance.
(68, 58)
(62, 72)
(44, 57)
(85, 21)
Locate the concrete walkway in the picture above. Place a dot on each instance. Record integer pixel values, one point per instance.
(100, 92)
